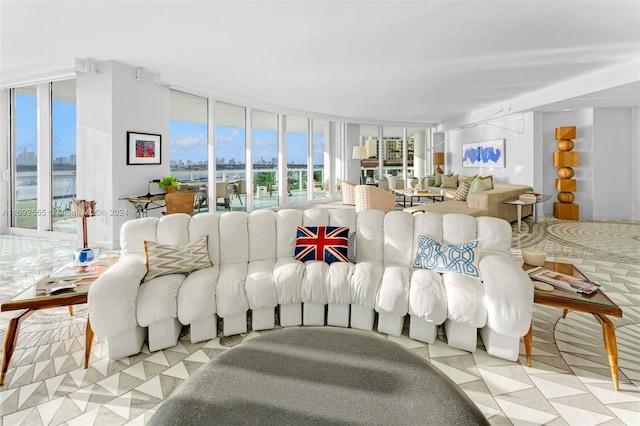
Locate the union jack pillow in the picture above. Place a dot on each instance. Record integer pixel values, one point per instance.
(325, 243)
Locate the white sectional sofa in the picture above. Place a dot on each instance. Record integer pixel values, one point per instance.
(254, 273)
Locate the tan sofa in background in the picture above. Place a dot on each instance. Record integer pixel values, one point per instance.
(481, 203)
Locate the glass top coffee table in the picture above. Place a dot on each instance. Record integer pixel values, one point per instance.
(596, 304)
(417, 194)
(36, 297)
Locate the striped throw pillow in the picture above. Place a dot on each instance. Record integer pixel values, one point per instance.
(165, 259)
(462, 191)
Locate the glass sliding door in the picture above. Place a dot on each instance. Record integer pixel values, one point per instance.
(25, 157)
(231, 136)
(63, 155)
(264, 148)
(369, 166)
(188, 148)
(393, 150)
(297, 155)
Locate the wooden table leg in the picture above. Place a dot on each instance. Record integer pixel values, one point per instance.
(10, 341)
(528, 338)
(88, 343)
(70, 309)
(609, 334)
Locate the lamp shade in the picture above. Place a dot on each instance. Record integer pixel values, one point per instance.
(438, 158)
(359, 152)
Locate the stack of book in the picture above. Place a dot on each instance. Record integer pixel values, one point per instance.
(531, 197)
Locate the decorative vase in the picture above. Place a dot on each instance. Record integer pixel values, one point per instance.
(169, 189)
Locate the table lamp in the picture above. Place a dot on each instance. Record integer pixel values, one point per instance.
(83, 209)
(438, 159)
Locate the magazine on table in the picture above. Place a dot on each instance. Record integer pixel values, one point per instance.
(564, 281)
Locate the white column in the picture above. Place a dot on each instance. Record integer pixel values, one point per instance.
(420, 154)
(44, 175)
(310, 164)
(281, 173)
(405, 171)
(352, 138)
(248, 157)
(211, 155)
(5, 183)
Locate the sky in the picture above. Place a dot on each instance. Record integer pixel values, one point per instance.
(64, 126)
(187, 141)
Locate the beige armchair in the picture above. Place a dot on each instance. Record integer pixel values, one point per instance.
(348, 192)
(372, 198)
(395, 182)
(273, 187)
(223, 192)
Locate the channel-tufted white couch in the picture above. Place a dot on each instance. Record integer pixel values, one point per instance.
(254, 273)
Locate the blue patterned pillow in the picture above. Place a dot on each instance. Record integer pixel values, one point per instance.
(324, 243)
(460, 258)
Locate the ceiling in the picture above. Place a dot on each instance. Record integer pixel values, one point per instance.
(389, 62)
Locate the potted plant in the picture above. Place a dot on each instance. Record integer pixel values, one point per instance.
(169, 183)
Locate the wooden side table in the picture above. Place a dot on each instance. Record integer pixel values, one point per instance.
(596, 304)
(34, 299)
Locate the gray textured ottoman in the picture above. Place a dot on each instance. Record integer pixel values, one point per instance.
(324, 375)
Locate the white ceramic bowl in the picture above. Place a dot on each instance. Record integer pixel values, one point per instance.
(533, 257)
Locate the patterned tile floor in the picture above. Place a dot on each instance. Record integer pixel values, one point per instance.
(568, 383)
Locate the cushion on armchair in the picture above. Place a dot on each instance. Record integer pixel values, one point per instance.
(348, 190)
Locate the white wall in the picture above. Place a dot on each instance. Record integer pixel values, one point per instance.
(352, 138)
(519, 149)
(583, 120)
(607, 140)
(608, 143)
(612, 153)
(109, 104)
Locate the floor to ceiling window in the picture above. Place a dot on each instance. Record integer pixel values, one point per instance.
(43, 143)
(393, 152)
(188, 139)
(264, 148)
(25, 157)
(297, 155)
(63, 154)
(231, 137)
(369, 166)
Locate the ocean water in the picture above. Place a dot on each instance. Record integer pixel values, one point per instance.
(64, 187)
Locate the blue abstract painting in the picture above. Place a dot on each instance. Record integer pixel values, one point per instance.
(483, 154)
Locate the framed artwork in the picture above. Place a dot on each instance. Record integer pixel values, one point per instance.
(144, 148)
(483, 154)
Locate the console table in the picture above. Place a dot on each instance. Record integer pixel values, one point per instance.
(144, 203)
